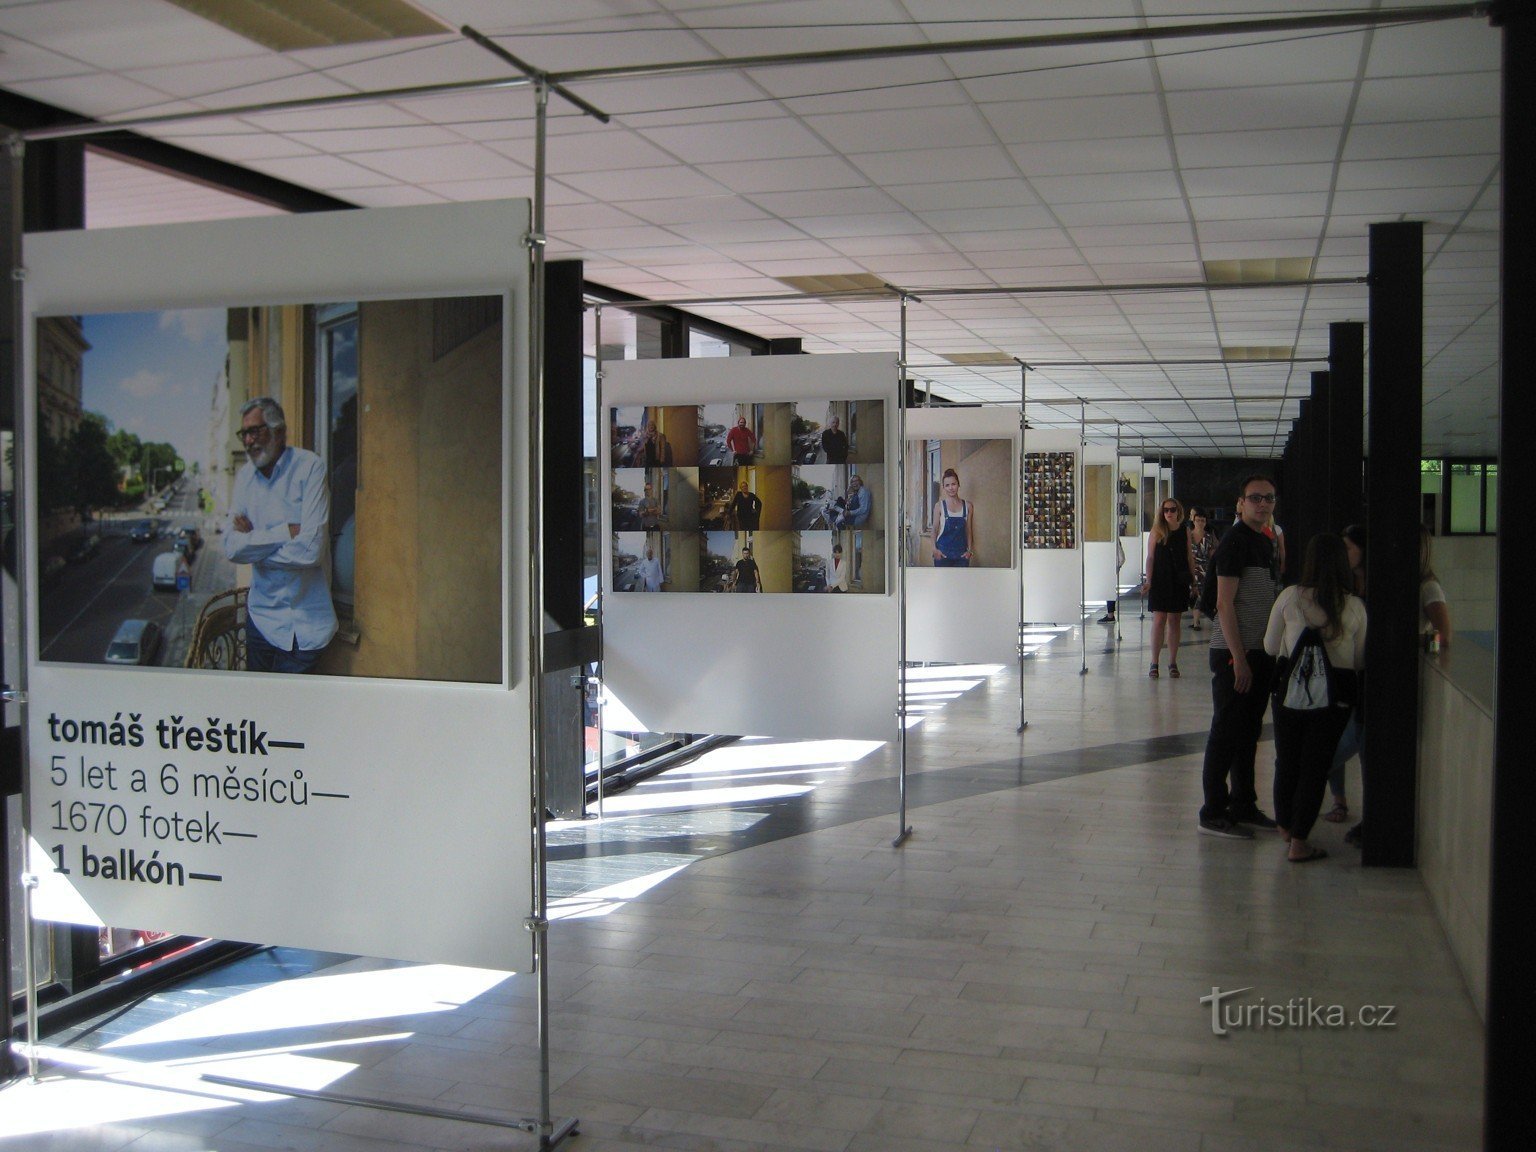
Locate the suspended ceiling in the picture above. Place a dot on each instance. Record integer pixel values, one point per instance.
(1083, 174)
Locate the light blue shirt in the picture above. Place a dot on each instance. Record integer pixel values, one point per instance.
(290, 593)
(860, 504)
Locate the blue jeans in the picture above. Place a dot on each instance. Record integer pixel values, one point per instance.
(942, 561)
(260, 656)
(1349, 745)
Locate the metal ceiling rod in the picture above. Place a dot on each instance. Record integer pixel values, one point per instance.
(1133, 35)
(1149, 286)
(890, 292)
(531, 72)
(104, 127)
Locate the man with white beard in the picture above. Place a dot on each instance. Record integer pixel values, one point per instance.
(280, 525)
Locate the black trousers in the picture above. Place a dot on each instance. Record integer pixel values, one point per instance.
(1304, 746)
(1237, 719)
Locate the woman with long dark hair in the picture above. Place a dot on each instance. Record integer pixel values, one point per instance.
(1170, 568)
(1349, 742)
(1305, 740)
(1202, 546)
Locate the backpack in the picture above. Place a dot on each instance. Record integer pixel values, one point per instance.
(1307, 682)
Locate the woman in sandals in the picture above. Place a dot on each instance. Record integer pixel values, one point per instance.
(1202, 546)
(1349, 742)
(1305, 739)
(1170, 570)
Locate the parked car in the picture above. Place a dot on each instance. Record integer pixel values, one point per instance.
(168, 565)
(136, 642)
(188, 541)
(144, 530)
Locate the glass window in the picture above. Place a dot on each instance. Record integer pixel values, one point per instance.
(336, 403)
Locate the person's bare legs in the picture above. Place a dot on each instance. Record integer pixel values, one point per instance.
(1175, 621)
(1159, 622)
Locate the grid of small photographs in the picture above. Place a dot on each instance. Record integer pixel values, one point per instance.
(1050, 504)
(781, 497)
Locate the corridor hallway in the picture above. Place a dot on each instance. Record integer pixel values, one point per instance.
(742, 962)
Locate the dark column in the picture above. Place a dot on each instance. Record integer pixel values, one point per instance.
(1511, 938)
(1391, 745)
(1346, 424)
(783, 346)
(564, 517)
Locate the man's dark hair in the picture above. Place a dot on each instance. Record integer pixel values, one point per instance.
(1242, 489)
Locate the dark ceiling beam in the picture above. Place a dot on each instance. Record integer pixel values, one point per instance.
(23, 115)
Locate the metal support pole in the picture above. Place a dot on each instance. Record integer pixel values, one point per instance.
(538, 921)
(1142, 533)
(1019, 534)
(1082, 526)
(903, 830)
(603, 467)
(16, 158)
(1115, 559)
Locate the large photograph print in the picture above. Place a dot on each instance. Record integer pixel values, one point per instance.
(749, 498)
(297, 487)
(960, 503)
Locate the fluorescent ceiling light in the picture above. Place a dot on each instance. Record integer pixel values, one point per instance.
(977, 358)
(823, 285)
(287, 25)
(1264, 270)
(1258, 351)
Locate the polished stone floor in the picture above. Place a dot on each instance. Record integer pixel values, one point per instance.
(743, 962)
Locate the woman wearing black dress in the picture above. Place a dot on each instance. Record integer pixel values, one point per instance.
(1170, 568)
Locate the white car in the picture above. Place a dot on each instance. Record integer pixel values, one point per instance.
(136, 642)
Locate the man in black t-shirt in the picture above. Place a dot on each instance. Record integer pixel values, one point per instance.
(1247, 583)
(834, 442)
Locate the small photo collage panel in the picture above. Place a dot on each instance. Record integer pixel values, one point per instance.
(1050, 500)
(781, 497)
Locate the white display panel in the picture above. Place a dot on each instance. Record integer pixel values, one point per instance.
(791, 666)
(380, 816)
(973, 614)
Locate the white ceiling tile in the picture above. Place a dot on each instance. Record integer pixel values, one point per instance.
(1472, 44)
(1087, 157)
(746, 231)
(1106, 187)
(754, 176)
(694, 210)
(1412, 98)
(99, 95)
(1317, 105)
(963, 194)
(901, 130)
(1087, 117)
(1013, 217)
(1425, 138)
(644, 183)
(935, 165)
(1258, 59)
(830, 202)
(132, 34)
(320, 171)
(1259, 180)
(453, 162)
(749, 140)
(991, 77)
(608, 150)
(344, 141)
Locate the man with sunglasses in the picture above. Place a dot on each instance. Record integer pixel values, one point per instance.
(279, 524)
(1247, 583)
